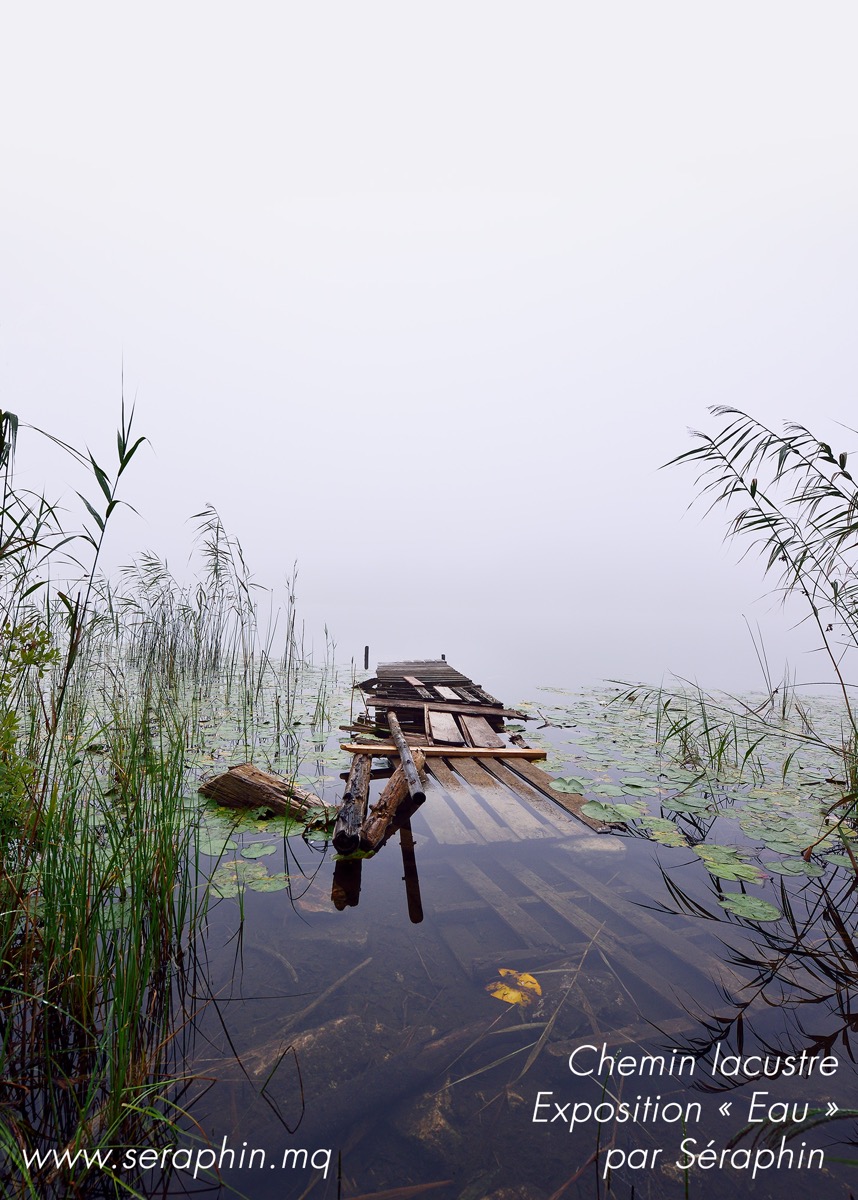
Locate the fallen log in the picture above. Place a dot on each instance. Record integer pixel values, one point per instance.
(353, 808)
(415, 786)
(395, 793)
(245, 786)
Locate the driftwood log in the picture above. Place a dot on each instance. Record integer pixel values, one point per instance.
(245, 786)
(353, 808)
(409, 767)
(375, 826)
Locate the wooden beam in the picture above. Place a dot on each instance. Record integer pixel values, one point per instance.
(476, 710)
(386, 749)
(415, 785)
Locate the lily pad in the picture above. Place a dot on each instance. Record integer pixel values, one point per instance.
(571, 784)
(259, 850)
(794, 866)
(613, 812)
(271, 883)
(751, 908)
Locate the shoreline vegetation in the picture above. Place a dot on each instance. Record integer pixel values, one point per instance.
(109, 690)
(104, 688)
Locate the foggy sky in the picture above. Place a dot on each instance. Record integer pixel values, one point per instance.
(421, 296)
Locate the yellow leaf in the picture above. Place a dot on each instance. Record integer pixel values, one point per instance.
(522, 979)
(514, 995)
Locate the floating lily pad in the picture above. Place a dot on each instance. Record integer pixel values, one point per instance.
(840, 860)
(794, 866)
(571, 784)
(259, 850)
(751, 908)
(215, 844)
(613, 812)
(271, 883)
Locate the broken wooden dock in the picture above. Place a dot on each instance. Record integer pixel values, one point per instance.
(483, 772)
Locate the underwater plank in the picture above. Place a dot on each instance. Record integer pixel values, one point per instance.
(444, 824)
(506, 907)
(511, 810)
(480, 818)
(546, 811)
(541, 780)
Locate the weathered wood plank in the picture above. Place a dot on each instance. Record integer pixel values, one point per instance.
(443, 823)
(482, 820)
(541, 780)
(443, 728)
(385, 749)
(418, 686)
(548, 812)
(506, 907)
(480, 732)
(511, 810)
(447, 693)
(484, 710)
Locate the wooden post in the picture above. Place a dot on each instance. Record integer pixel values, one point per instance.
(415, 787)
(395, 793)
(353, 809)
(409, 866)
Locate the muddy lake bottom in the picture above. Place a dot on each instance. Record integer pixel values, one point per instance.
(370, 1039)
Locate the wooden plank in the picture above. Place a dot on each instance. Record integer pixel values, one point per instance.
(443, 728)
(480, 818)
(547, 811)
(480, 733)
(519, 921)
(447, 693)
(513, 812)
(590, 926)
(443, 823)
(385, 749)
(541, 780)
(418, 686)
(484, 710)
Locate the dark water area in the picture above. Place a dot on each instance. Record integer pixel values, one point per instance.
(359, 1051)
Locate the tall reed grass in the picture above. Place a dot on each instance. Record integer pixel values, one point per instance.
(102, 689)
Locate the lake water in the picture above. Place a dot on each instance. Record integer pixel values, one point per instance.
(357, 1049)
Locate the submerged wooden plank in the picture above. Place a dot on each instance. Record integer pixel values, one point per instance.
(506, 907)
(590, 926)
(547, 811)
(470, 807)
(443, 728)
(444, 824)
(385, 749)
(480, 732)
(541, 780)
(513, 812)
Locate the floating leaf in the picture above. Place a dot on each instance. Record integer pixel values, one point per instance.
(613, 812)
(840, 860)
(794, 866)
(271, 883)
(751, 908)
(215, 844)
(258, 850)
(571, 784)
(522, 994)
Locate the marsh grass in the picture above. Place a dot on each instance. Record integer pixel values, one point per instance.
(105, 688)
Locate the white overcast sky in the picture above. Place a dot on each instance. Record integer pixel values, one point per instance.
(421, 295)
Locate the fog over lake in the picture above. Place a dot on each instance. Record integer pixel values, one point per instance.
(421, 297)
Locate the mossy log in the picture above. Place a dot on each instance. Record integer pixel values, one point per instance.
(245, 786)
(353, 809)
(395, 793)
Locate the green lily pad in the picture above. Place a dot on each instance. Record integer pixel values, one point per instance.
(794, 866)
(571, 784)
(840, 860)
(751, 908)
(271, 883)
(215, 844)
(613, 812)
(259, 850)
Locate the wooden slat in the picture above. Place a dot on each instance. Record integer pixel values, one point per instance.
(471, 808)
(541, 780)
(479, 710)
(480, 732)
(519, 921)
(443, 728)
(447, 693)
(385, 749)
(444, 824)
(547, 811)
(419, 687)
(511, 810)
